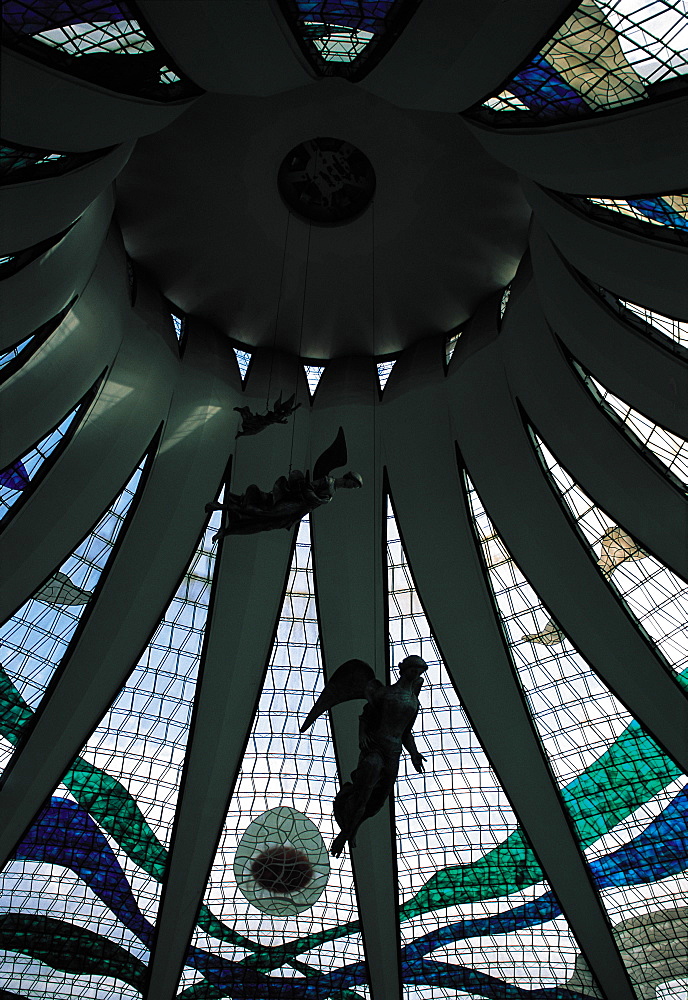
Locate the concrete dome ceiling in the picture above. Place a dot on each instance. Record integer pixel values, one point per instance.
(524, 486)
(447, 226)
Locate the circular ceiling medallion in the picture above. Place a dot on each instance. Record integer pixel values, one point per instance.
(326, 181)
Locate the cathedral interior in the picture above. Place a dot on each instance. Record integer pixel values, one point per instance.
(249, 247)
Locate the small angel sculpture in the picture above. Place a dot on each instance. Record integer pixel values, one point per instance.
(384, 730)
(254, 423)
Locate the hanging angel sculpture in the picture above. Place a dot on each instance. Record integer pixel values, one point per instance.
(384, 730)
(254, 423)
(291, 497)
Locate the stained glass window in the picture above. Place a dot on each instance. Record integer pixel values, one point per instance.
(671, 450)
(655, 597)
(607, 54)
(20, 477)
(94, 861)
(384, 370)
(14, 358)
(675, 329)
(281, 767)
(243, 360)
(346, 37)
(14, 352)
(669, 211)
(626, 799)
(35, 638)
(313, 374)
(178, 322)
(450, 346)
(671, 333)
(21, 163)
(504, 301)
(101, 40)
(477, 912)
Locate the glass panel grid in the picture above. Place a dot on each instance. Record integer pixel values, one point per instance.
(87, 30)
(243, 360)
(34, 640)
(630, 809)
(384, 370)
(313, 374)
(671, 450)
(340, 30)
(15, 160)
(666, 211)
(450, 346)
(282, 767)
(127, 778)
(178, 322)
(656, 598)
(15, 351)
(676, 329)
(17, 478)
(607, 54)
(459, 847)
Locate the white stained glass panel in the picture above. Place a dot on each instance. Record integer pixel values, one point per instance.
(282, 767)
(100, 36)
(338, 43)
(456, 814)
(34, 640)
(670, 449)
(656, 597)
(653, 36)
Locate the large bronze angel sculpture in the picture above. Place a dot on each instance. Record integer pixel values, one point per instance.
(291, 497)
(384, 730)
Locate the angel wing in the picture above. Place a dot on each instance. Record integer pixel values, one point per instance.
(347, 683)
(332, 458)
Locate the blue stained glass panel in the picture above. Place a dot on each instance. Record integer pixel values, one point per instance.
(17, 477)
(544, 91)
(660, 211)
(34, 16)
(368, 15)
(14, 477)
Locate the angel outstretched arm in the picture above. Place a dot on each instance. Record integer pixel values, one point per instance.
(409, 745)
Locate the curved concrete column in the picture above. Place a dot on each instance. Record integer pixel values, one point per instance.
(145, 569)
(631, 364)
(265, 59)
(350, 580)
(448, 572)
(635, 267)
(452, 55)
(96, 463)
(541, 538)
(32, 211)
(42, 288)
(48, 109)
(250, 578)
(591, 447)
(627, 153)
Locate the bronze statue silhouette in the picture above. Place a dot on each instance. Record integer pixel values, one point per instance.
(289, 500)
(254, 423)
(385, 729)
(291, 497)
